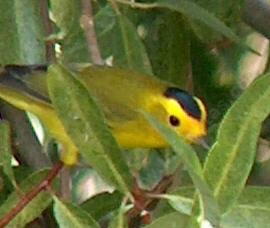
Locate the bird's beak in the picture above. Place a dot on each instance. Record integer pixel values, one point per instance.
(203, 143)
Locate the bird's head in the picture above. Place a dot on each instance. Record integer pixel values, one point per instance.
(185, 113)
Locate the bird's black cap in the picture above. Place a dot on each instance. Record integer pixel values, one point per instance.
(185, 100)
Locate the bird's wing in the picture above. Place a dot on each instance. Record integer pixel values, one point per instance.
(31, 82)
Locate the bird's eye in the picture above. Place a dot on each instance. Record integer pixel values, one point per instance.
(174, 121)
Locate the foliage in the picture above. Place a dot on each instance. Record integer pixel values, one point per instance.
(202, 46)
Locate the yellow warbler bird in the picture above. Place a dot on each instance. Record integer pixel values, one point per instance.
(120, 93)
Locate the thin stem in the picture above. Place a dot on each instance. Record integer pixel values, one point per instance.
(88, 25)
(28, 197)
(115, 7)
(256, 13)
(65, 180)
(44, 11)
(142, 201)
(138, 5)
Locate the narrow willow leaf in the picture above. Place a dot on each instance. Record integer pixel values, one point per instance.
(70, 216)
(86, 126)
(66, 17)
(22, 42)
(252, 209)
(179, 203)
(34, 208)
(169, 51)
(194, 11)
(70, 33)
(105, 21)
(192, 163)
(118, 38)
(134, 53)
(6, 153)
(102, 204)
(231, 158)
(255, 198)
(172, 220)
(22, 39)
(119, 220)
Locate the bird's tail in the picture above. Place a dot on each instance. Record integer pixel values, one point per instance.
(21, 86)
(28, 79)
(18, 89)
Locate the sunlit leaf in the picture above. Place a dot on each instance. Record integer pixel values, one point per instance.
(102, 204)
(172, 220)
(191, 161)
(36, 205)
(231, 158)
(70, 216)
(119, 40)
(251, 210)
(85, 124)
(119, 220)
(5, 152)
(194, 11)
(21, 28)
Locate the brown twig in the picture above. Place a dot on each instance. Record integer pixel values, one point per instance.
(115, 7)
(143, 6)
(65, 179)
(256, 13)
(44, 11)
(144, 203)
(88, 25)
(31, 195)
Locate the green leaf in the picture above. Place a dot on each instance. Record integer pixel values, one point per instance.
(70, 216)
(75, 46)
(85, 124)
(133, 50)
(5, 152)
(179, 203)
(169, 50)
(34, 208)
(22, 40)
(119, 220)
(120, 40)
(208, 205)
(70, 33)
(194, 11)
(102, 204)
(181, 199)
(252, 209)
(172, 220)
(231, 158)
(257, 198)
(66, 18)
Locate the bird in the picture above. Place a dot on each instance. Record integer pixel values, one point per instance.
(122, 94)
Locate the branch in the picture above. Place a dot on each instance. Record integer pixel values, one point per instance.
(256, 13)
(134, 4)
(144, 203)
(44, 11)
(88, 25)
(65, 183)
(31, 195)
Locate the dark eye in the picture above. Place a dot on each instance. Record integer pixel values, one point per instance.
(174, 121)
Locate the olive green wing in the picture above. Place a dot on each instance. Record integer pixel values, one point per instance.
(31, 81)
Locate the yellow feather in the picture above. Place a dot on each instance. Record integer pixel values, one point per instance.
(122, 94)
